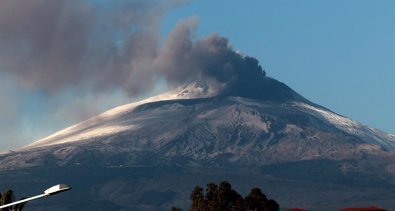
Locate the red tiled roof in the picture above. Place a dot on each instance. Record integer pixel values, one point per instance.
(364, 209)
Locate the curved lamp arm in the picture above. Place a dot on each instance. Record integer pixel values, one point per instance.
(50, 191)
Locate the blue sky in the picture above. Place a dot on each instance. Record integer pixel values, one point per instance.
(339, 54)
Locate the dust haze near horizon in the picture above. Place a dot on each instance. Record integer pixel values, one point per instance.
(101, 53)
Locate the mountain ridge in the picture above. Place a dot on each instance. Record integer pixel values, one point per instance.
(260, 119)
(145, 155)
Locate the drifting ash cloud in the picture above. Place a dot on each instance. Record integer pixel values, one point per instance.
(100, 45)
(93, 47)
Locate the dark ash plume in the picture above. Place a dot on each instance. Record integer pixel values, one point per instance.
(212, 59)
(182, 59)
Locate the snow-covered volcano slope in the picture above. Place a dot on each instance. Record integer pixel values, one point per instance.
(196, 123)
(106, 124)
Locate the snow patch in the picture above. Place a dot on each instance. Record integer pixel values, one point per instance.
(368, 134)
(291, 128)
(367, 148)
(6, 152)
(340, 121)
(85, 135)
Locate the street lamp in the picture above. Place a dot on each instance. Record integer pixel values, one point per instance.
(50, 191)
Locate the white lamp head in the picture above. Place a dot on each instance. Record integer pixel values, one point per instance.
(57, 189)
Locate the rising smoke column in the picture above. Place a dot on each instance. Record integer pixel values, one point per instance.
(213, 60)
(53, 45)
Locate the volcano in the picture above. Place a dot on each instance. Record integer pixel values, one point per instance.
(148, 155)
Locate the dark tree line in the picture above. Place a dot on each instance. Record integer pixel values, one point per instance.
(7, 198)
(224, 198)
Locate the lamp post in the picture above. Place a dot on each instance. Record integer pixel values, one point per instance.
(50, 191)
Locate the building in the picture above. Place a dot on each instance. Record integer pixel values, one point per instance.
(364, 209)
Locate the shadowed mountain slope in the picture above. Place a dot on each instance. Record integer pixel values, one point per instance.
(273, 137)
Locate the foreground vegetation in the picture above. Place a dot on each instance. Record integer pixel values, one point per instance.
(8, 197)
(223, 198)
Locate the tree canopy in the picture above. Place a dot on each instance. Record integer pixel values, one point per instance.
(223, 198)
(8, 197)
